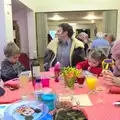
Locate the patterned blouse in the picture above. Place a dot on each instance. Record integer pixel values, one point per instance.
(9, 70)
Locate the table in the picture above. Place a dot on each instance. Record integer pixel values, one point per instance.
(99, 111)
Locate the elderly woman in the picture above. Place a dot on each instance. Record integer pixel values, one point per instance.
(114, 77)
(10, 67)
(83, 37)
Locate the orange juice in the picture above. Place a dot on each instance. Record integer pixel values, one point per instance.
(91, 82)
(23, 80)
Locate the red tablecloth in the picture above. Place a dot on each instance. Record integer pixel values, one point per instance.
(99, 111)
(12, 96)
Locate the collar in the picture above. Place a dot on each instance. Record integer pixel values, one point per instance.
(67, 42)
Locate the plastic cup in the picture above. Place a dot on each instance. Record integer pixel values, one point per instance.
(80, 81)
(45, 81)
(49, 100)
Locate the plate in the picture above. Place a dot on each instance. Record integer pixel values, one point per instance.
(26, 110)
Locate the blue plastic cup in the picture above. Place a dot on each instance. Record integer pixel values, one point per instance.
(49, 100)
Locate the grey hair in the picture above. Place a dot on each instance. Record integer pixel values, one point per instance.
(11, 49)
(97, 54)
(100, 35)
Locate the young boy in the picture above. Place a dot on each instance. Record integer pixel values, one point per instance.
(10, 66)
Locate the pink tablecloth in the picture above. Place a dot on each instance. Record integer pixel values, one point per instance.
(99, 111)
(12, 96)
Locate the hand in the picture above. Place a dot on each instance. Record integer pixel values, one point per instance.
(106, 73)
(108, 77)
(89, 68)
(82, 74)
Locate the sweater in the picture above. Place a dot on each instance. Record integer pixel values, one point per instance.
(10, 71)
(84, 65)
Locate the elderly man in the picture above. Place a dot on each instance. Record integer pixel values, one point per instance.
(64, 49)
(99, 41)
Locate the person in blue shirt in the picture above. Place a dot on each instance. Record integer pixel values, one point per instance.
(100, 41)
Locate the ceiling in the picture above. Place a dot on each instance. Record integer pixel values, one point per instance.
(77, 16)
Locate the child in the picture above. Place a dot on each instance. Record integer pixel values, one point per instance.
(114, 77)
(10, 67)
(93, 64)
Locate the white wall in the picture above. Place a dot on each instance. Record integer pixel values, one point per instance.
(31, 33)
(71, 5)
(8, 20)
(21, 18)
(6, 33)
(2, 31)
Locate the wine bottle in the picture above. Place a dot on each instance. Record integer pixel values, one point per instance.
(35, 68)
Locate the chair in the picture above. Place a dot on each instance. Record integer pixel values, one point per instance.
(106, 50)
(24, 59)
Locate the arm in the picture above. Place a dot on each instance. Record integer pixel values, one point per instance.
(78, 56)
(47, 59)
(7, 72)
(116, 81)
(20, 67)
(86, 47)
(82, 65)
(109, 78)
(95, 70)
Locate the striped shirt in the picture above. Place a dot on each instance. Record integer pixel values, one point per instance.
(63, 53)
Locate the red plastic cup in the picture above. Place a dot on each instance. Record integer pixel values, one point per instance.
(81, 81)
(45, 82)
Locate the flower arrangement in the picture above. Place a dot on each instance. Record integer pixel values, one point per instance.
(70, 74)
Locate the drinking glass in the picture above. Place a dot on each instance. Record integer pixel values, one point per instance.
(91, 83)
(24, 79)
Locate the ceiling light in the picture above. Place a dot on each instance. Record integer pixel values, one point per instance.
(56, 17)
(72, 24)
(91, 17)
(92, 21)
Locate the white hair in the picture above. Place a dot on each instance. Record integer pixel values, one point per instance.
(100, 35)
